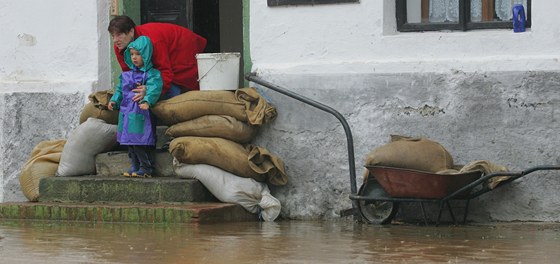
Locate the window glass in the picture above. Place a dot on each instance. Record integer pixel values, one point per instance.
(421, 15)
(494, 10)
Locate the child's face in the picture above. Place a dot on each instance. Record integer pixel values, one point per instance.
(136, 58)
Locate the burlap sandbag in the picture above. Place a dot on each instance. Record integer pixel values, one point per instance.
(411, 153)
(484, 166)
(258, 110)
(264, 162)
(194, 104)
(97, 108)
(227, 155)
(222, 126)
(42, 163)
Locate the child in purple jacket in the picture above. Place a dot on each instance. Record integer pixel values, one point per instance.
(136, 127)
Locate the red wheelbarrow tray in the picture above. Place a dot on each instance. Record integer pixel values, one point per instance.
(406, 183)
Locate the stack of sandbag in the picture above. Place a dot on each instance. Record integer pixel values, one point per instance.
(97, 108)
(422, 154)
(42, 163)
(211, 132)
(215, 127)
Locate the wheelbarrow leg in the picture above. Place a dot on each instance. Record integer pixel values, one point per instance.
(466, 211)
(451, 212)
(424, 213)
(439, 214)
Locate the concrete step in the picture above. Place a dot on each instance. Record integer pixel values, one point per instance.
(116, 162)
(144, 213)
(155, 190)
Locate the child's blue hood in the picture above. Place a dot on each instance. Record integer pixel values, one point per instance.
(143, 45)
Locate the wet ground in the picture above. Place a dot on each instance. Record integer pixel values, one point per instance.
(282, 242)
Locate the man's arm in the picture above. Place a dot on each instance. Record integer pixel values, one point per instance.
(161, 62)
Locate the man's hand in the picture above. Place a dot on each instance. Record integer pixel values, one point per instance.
(140, 92)
(111, 105)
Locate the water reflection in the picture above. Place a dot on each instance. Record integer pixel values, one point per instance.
(282, 242)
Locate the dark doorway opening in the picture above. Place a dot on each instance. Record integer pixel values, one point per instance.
(220, 22)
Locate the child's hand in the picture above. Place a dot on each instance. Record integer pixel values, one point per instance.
(111, 105)
(144, 106)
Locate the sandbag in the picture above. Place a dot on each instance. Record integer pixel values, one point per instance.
(265, 163)
(222, 126)
(230, 156)
(411, 153)
(484, 166)
(97, 108)
(258, 110)
(254, 196)
(222, 153)
(188, 106)
(89, 139)
(43, 163)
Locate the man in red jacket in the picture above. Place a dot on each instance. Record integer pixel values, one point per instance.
(175, 48)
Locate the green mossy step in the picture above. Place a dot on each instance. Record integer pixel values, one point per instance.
(110, 213)
(154, 190)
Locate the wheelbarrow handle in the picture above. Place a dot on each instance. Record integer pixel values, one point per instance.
(513, 176)
(539, 168)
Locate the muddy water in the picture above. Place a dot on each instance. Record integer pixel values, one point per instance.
(282, 242)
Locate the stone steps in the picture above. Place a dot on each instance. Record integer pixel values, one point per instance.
(109, 197)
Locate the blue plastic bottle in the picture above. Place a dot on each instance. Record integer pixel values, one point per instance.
(519, 20)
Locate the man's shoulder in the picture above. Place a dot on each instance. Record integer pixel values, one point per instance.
(158, 26)
(156, 29)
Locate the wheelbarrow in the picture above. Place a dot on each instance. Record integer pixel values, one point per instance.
(378, 204)
(379, 196)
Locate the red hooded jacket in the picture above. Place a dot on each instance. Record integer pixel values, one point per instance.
(175, 48)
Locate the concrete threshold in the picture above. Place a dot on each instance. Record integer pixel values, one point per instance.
(210, 212)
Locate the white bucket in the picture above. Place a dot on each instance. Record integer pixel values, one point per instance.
(218, 71)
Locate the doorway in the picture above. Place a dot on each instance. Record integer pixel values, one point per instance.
(220, 22)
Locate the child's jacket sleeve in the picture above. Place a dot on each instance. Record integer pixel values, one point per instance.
(117, 96)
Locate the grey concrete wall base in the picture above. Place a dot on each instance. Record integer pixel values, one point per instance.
(28, 118)
(116, 162)
(508, 118)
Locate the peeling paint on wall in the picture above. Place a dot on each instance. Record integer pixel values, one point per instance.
(424, 111)
(27, 40)
(518, 103)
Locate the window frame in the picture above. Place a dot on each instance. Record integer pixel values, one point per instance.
(307, 2)
(463, 24)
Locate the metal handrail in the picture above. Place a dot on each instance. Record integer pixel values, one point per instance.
(350, 142)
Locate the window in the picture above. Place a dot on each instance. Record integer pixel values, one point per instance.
(423, 15)
(306, 2)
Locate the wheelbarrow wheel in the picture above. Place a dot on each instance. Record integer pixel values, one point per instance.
(376, 212)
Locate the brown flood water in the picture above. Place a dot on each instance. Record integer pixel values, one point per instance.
(281, 242)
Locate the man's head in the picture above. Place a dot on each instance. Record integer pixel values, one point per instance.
(121, 29)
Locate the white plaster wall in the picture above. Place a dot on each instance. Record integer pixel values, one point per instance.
(362, 37)
(53, 54)
(483, 94)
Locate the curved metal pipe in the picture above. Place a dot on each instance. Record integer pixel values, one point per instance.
(350, 142)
